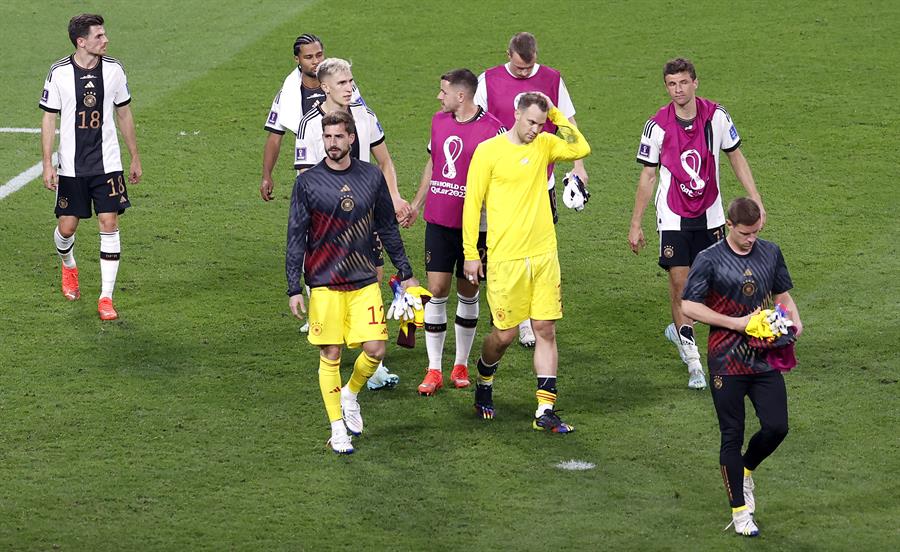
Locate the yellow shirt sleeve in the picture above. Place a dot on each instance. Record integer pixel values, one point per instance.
(476, 188)
(570, 144)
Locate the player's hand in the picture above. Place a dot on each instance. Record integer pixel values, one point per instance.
(401, 210)
(413, 215)
(135, 172)
(266, 188)
(741, 322)
(51, 179)
(546, 97)
(473, 270)
(578, 170)
(636, 239)
(298, 306)
(409, 282)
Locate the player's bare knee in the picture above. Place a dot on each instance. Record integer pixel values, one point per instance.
(544, 330)
(108, 223)
(331, 352)
(374, 349)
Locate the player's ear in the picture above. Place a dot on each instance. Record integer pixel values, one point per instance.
(352, 137)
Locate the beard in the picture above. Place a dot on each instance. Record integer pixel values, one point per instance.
(336, 154)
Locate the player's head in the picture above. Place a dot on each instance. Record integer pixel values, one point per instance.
(336, 80)
(744, 223)
(86, 32)
(522, 54)
(457, 89)
(681, 80)
(338, 133)
(309, 53)
(531, 114)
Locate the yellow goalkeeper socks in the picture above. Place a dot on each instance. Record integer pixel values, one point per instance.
(330, 385)
(363, 369)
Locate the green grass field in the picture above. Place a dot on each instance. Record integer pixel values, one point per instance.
(195, 421)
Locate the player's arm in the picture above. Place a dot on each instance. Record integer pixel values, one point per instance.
(702, 313)
(389, 233)
(298, 224)
(572, 144)
(383, 157)
(418, 201)
(126, 127)
(476, 188)
(646, 184)
(48, 140)
(742, 171)
(270, 157)
(578, 164)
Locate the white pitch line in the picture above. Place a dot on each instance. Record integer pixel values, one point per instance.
(576, 465)
(14, 130)
(26, 176)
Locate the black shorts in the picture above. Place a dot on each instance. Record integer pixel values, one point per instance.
(378, 250)
(680, 247)
(554, 210)
(444, 249)
(107, 192)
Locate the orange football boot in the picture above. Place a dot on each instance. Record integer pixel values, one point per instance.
(460, 376)
(70, 283)
(433, 381)
(106, 309)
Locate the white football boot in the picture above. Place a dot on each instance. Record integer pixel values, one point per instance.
(350, 409)
(743, 524)
(382, 379)
(340, 441)
(672, 335)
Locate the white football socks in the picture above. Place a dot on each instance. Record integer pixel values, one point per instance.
(65, 247)
(436, 314)
(466, 311)
(110, 248)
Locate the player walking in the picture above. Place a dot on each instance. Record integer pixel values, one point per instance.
(498, 91)
(728, 283)
(508, 176)
(683, 141)
(336, 207)
(456, 130)
(84, 90)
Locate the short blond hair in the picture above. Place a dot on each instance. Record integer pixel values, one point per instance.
(331, 66)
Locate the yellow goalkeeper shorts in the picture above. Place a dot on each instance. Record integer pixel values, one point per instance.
(351, 317)
(525, 288)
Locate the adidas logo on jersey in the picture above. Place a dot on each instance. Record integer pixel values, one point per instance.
(345, 188)
(89, 85)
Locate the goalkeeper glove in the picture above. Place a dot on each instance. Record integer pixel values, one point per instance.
(575, 195)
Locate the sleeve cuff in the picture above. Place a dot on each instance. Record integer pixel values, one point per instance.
(48, 109)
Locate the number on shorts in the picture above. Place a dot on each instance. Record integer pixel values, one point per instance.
(116, 188)
(372, 311)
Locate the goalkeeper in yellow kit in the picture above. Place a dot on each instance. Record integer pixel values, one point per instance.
(508, 175)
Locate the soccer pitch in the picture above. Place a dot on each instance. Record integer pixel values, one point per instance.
(195, 421)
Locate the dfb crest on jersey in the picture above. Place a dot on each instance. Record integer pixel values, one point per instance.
(90, 100)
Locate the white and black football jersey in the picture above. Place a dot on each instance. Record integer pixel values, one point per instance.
(86, 100)
(721, 135)
(294, 101)
(309, 148)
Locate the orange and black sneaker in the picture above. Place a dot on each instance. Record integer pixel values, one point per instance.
(106, 309)
(70, 283)
(433, 381)
(460, 376)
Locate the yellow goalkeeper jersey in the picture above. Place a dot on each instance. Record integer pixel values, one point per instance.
(511, 180)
